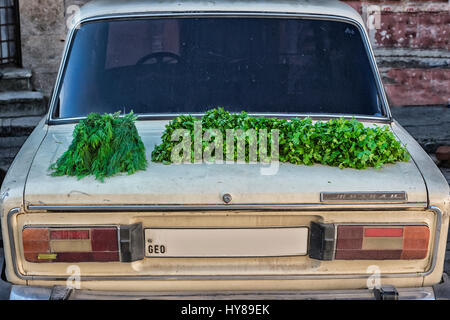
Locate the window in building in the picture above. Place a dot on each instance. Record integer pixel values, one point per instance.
(9, 32)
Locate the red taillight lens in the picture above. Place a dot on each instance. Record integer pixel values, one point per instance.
(382, 243)
(69, 234)
(415, 242)
(70, 245)
(383, 232)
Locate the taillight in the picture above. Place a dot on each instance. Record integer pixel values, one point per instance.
(381, 242)
(70, 245)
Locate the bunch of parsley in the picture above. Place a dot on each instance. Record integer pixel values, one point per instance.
(338, 142)
(103, 146)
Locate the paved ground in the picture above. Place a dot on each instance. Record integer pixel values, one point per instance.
(446, 172)
(429, 125)
(4, 287)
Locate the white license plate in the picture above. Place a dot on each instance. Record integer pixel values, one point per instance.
(250, 242)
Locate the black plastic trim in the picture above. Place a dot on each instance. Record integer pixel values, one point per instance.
(322, 241)
(131, 240)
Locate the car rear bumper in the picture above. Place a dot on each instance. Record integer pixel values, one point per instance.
(63, 293)
(20, 292)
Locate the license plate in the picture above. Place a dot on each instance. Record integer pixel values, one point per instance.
(249, 242)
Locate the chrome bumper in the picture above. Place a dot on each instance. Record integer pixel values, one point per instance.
(63, 293)
(18, 292)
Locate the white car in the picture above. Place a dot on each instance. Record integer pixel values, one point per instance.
(316, 232)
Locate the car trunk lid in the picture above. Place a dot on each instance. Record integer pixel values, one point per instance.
(206, 184)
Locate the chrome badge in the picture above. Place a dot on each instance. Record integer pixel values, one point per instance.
(363, 196)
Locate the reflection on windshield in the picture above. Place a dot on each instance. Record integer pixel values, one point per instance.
(190, 65)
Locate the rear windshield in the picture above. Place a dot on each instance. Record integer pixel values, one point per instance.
(190, 65)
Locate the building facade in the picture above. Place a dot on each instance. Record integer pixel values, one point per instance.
(411, 41)
(43, 25)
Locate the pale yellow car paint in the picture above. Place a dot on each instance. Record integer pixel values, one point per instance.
(171, 185)
(312, 7)
(438, 193)
(206, 183)
(300, 265)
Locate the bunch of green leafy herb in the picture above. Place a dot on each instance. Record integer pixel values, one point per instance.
(103, 146)
(339, 142)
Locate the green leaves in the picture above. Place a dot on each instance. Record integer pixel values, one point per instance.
(103, 146)
(339, 142)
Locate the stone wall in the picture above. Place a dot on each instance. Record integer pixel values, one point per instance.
(411, 41)
(43, 32)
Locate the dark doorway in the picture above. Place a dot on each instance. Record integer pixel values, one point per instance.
(10, 49)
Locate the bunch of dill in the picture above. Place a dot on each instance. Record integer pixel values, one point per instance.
(103, 146)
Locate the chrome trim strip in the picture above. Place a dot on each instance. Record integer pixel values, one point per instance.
(364, 196)
(421, 293)
(437, 235)
(46, 293)
(384, 101)
(335, 241)
(435, 209)
(30, 293)
(314, 116)
(229, 207)
(12, 244)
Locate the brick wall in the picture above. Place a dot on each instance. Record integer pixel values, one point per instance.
(411, 41)
(412, 44)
